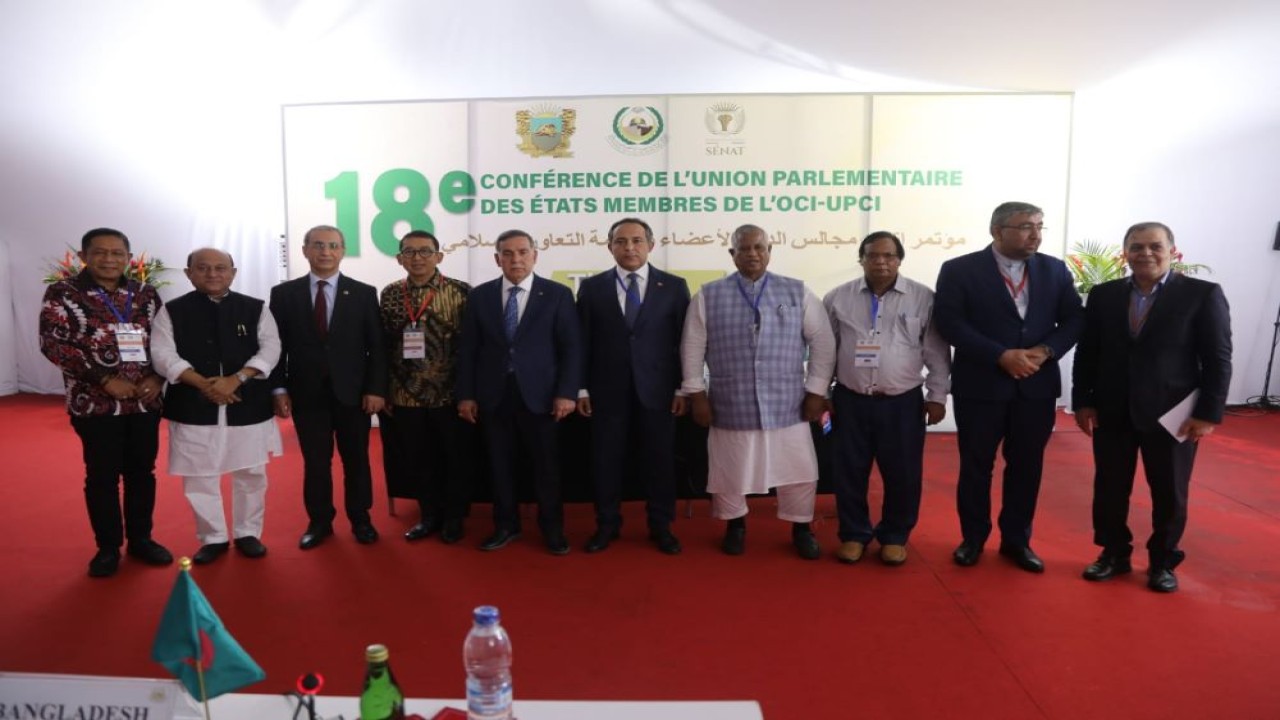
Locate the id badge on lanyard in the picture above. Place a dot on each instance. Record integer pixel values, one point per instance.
(415, 343)
(866, 354)
(130, 341)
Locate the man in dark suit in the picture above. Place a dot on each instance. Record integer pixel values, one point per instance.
(1149, 341)
(1010, 313)
(632, 317)
(331, 377)
(519, 370)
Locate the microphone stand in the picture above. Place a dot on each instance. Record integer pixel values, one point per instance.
(1265, 401)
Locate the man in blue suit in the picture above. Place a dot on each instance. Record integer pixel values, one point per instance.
(1010, 313)
(632, 316)
(519, 370)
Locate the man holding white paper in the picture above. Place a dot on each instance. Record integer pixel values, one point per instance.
(1149, 341)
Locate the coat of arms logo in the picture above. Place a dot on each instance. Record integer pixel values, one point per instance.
(545, 130)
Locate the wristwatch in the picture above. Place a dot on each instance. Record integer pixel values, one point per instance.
(242, 378)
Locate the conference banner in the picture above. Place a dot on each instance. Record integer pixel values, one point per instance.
(817, 172)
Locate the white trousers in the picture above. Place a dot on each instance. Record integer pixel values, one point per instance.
(795, 503)
(248, 503)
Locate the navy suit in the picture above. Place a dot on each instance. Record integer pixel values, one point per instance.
(326, 379)
(1131, 380)
(514, 384)
(976, 314)
(632, 375)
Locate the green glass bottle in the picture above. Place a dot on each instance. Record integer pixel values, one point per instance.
(381, 698)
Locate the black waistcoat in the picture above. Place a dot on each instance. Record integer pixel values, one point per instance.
(217, 338)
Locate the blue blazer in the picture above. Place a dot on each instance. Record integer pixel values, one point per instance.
(976, 314)
(1184, 344)
(647, 355)
(545, 354)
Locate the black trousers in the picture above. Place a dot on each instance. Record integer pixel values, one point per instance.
(651, 433)
(1167, 464)
(508, 427)
(319, 422)
(436, 459)
(1024, 427)
(119, 447)
(889, 430)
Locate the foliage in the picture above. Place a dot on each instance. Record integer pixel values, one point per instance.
(141, 268)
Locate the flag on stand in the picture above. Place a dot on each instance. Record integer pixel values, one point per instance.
(191, 641)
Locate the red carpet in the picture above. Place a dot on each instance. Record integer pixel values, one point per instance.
(806, 639)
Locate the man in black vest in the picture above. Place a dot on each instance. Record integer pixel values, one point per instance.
(216, 348)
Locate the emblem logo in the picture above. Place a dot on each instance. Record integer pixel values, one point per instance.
(638, 130)
(545, 130)
(725, 119)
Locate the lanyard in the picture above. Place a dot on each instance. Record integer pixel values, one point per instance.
(755, 306)
(1015, 290)
(111, 305)
(875, 310)
(426, 301)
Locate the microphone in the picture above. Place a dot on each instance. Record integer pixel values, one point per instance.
(309, 685)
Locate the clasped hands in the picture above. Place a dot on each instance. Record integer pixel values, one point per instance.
(1022, 363)
(144, 390)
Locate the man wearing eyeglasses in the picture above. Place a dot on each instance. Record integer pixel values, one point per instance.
(331, 377)
(421, 319)
(1010, 313)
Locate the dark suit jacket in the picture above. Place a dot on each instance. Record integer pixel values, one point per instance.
(976, 314)
(545, 353)
(353, 354)
(649, 354)
(1184, 344)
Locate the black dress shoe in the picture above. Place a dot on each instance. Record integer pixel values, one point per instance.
(967, 554)
(150, 552)
(1023, 557)
(105, 563)
(424, 529)
(250, 546)
(451, 531)
(556, 543)
(499, 539)
(1163, 581)
(806, 545)
(600, 540)
(314, 535)
(210, 552)
(667, 543)
(735, 541)
(1107, 567)
(365, 533)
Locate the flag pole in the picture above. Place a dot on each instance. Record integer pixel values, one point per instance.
(184, 565)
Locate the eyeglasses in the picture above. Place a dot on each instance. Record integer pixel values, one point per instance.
(419, 252)
(1025, 227)
(318, 246)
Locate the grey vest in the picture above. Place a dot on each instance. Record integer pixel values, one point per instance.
(756, 378)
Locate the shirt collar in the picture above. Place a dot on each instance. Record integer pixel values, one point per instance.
(526, 284)
(1159, 283)
(332, 279)
(1006, 261)
(642, 272)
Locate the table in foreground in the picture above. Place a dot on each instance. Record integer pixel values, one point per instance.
(266, 707)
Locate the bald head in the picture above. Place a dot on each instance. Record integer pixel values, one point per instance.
(211, 271)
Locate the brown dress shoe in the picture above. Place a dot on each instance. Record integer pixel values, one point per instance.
(850, 552)
(893, 554)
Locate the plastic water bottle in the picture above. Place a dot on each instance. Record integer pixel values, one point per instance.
(487, 656)
(381, 698)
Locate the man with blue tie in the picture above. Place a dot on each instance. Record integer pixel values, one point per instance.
(519, 370)
(632, 316)
(1010, 313)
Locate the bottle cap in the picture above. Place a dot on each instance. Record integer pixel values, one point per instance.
(486, 615)
(376, 653)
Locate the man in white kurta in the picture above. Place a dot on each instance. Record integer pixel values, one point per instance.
(752, 332)
(246, 346)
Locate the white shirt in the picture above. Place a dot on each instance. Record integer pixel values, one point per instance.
(903, 331)
(624, 280)
(1014, 271)
(330, 293)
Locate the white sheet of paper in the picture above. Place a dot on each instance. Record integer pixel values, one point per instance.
(1178, 414)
